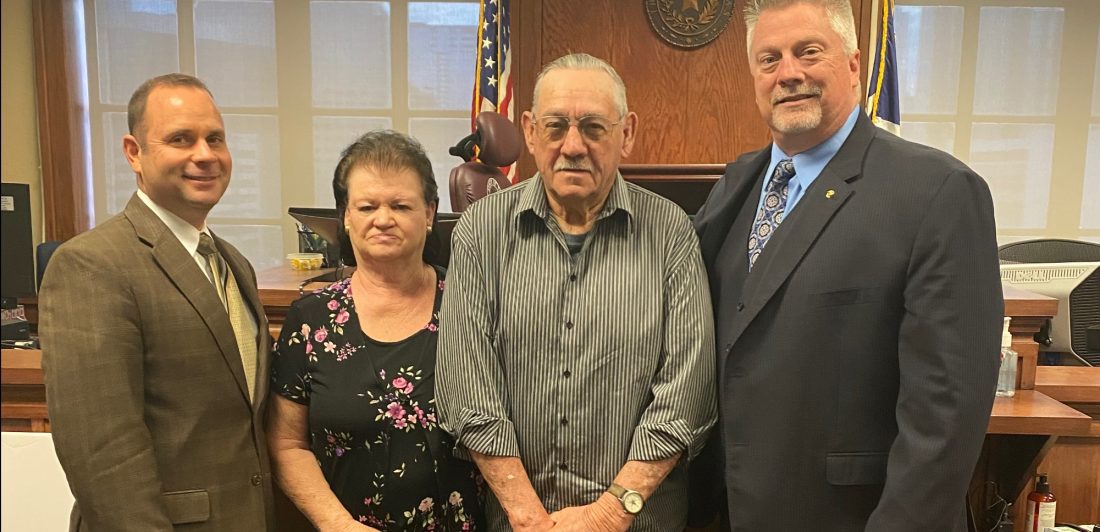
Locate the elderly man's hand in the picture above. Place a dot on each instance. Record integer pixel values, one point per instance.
(604, 515)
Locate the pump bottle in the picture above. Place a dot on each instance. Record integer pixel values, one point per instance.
(1006, 378)
(1041, 506)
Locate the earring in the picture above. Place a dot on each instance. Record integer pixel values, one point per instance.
(429, 229)
(347, 229)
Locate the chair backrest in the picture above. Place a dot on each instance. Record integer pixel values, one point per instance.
(42, 256)
(498, 143)
(1049, 250)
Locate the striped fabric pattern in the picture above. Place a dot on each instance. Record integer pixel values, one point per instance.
(578, 363)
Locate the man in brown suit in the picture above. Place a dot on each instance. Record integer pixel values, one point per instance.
(156, 397)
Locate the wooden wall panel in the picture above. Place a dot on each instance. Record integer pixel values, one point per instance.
(694, 106)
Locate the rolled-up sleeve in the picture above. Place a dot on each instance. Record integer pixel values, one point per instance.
(470, 386)
(684, 406)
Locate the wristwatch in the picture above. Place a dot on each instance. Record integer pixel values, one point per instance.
(632, 501)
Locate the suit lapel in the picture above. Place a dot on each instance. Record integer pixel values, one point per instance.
(184, 273)
(728, 197)
(786, 248)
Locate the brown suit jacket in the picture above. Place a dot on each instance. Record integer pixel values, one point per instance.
(145, 387)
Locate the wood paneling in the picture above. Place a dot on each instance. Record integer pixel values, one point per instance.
(694, 106)
(62, 117)
(1068, 465)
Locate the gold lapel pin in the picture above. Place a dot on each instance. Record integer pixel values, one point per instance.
(829, 193)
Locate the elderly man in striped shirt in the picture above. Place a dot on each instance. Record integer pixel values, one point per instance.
(576, 351)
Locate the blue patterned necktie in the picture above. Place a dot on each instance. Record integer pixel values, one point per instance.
(770, 214)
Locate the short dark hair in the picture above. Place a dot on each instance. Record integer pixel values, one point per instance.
(135, 113)
(380, 150)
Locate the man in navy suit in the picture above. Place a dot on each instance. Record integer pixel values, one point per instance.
(857, 301)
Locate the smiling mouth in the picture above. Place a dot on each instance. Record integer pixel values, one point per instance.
(794, 98)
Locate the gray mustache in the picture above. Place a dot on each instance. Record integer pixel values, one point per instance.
(573, 165)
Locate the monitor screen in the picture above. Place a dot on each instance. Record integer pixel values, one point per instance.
(18, 250)
(1076, 286)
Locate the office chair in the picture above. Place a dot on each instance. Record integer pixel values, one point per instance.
(42, 257)
(1048, 250)
(497, 143)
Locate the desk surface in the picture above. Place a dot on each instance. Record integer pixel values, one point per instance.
(1069, 384)
(1032, 412)
(1020, 303)
(279, 287)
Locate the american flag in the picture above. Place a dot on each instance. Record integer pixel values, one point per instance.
(883, 99)
(493, 91)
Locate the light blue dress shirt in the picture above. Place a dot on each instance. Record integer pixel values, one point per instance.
(807, 165)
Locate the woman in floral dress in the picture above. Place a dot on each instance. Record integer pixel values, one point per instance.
(353, 430)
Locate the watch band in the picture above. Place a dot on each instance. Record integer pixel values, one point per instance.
(616, 490)
(632, 501)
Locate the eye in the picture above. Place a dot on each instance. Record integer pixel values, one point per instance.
(366, 208)
(811, 51)
(594, 129)
(556, 125)
(215, 140)
(179, 140)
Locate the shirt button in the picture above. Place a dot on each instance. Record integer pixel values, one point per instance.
(740, 306)
(563, 466)
(567, 374)
(568, 325)
(573, 277)
(564, 422)
(257, 479)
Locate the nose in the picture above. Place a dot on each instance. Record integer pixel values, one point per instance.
(789, 71)
(573, 144)
(383, 217)
(203, 152)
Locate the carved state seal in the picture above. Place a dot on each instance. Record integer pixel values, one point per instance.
(689, 23)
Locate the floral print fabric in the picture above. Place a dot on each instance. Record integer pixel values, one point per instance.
(372, 416)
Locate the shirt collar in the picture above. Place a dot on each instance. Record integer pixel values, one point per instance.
(184, 232)
(812, 161)
(533, 200)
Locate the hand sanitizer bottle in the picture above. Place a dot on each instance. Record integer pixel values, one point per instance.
(1006, 379)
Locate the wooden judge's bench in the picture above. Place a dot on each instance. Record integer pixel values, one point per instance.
(1052, 425)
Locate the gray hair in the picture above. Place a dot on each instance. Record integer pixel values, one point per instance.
(581, 61)
(839, 13)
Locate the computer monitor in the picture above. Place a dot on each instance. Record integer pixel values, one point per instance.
(326, 223)
(18, 250)
(1076, 286)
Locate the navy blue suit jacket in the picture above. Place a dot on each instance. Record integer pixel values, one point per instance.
(858, 360)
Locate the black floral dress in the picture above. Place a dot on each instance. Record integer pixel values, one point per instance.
(372, 417)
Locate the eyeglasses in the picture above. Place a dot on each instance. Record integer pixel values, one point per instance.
(592, 128)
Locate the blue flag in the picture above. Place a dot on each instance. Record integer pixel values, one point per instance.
(883, 104)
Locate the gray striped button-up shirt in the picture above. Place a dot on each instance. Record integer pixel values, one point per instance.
(578, 363)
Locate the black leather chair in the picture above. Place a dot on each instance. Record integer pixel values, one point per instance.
(497, 143)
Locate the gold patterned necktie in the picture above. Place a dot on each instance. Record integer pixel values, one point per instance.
(244, 330)
(770, 214)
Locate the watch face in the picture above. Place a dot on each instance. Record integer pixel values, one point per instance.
(632, 502)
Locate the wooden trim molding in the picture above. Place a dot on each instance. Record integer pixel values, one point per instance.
(63, 135)
(672, 172)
